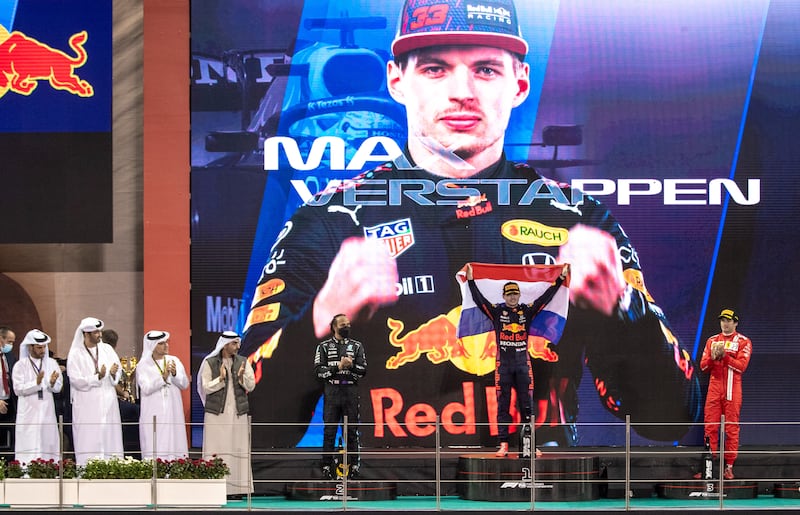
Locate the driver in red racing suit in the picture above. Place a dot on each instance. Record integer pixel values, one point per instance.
(384, 249)
(725, 358)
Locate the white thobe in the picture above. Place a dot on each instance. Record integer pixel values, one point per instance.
(96, 426)
(162, 399)
(227, 435)
(36, 428)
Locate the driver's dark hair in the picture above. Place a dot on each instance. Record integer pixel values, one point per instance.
(333, 320)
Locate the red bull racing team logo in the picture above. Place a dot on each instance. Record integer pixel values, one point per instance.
(437, 341)
(24, 62)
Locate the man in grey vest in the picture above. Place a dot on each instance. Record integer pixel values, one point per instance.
(224, 380)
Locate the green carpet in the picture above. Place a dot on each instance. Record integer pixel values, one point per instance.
(428, 503)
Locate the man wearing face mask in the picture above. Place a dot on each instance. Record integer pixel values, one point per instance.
(7, 400)
(340, 362)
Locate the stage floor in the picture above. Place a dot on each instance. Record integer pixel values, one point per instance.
(452, 504)
(428, 504)
(415, 470)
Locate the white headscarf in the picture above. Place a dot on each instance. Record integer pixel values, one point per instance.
(149, 342)
(224, 339)
(34, 337)
(87, 325)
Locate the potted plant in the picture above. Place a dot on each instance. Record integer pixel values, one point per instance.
(115, 482)
(191, 482)
(37, 483)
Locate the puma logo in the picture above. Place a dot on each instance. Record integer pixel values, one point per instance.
(342, 209)
(566, 207)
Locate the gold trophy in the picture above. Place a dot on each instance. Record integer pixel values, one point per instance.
(127, 384)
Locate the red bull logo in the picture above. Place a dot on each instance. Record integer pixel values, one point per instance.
(473, 206)
(539, 348)
(472, 201)
(24, 62)
(436, 339)
(458, 418)
(513, 328)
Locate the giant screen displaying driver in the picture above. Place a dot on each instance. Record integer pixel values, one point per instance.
(653, 140)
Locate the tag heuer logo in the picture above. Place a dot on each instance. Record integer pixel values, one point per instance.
(398, 235)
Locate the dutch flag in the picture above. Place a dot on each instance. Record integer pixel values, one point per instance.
(533, 280)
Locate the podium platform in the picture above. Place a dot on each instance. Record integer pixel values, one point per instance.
(567, 477)
(334, 491)
(707, 490)
(787, 490)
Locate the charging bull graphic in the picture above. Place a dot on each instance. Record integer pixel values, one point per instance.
(25, 61)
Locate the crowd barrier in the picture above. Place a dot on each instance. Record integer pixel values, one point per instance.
(627, 473)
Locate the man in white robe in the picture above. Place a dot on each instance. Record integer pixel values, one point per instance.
(36, 378)
(160, 378)
(224, 380)
(93, 368)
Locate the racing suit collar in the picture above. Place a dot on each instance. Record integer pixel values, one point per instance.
(494, 170)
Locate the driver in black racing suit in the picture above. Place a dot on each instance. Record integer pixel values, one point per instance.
(384, 248)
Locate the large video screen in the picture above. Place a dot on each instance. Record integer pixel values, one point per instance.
(55, 122)
(666, 129)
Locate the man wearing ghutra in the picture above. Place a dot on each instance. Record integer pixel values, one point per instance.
(36, 378)
(160, 378)
(223, 382)
(93, 369)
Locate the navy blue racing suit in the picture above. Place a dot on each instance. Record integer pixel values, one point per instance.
(513, 366)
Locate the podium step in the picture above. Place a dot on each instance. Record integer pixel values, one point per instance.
(334, 491)
(707, 490)
(563, 477)
(787, 490)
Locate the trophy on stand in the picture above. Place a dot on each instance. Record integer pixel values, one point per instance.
(127, 382)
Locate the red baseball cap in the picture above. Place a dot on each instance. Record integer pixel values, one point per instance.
(426, 23)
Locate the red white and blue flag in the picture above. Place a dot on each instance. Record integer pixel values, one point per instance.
(533, 280)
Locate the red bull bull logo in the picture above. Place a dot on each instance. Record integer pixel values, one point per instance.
(436, 339)
(24, 62)
(539, 348)
(513, 328)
